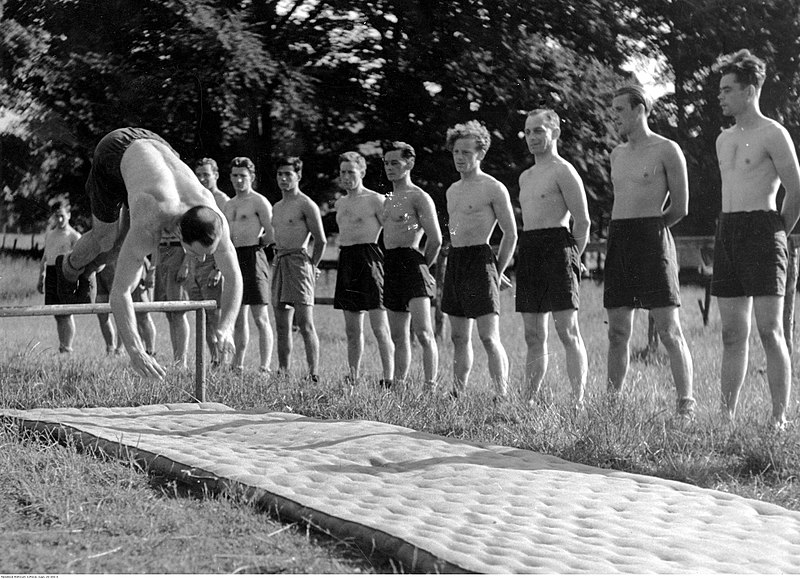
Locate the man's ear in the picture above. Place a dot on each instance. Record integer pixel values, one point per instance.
(411, 161)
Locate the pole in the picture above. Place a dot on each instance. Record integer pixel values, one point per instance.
(200, 362)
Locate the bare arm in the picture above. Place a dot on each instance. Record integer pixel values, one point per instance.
(504, 213)
(264, 212)
(426, 210)
(131, 258)
(314, 223)
(678, 185)
(784, 158)
(571, 186)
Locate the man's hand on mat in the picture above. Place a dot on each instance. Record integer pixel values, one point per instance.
(146, 366)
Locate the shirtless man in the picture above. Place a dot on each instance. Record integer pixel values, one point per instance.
(474, 278)
(408, 212)
(755, 155)
(205, 280)
(295, 219)
(60, 239)
(641, 263)
(250, 217)
(137, 169)
(548, 266)
(359, 277)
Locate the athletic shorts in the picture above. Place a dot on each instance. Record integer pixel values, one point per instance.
(255, 275)
(52, 297)
(641, 267)
(750, 255)
(293, 278)
(406, 277)
(200, 272)
(471, 282)
(548, 271)
(359, 278)
(105, 187)
(168, 288)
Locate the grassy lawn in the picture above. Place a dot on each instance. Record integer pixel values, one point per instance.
(62, 511)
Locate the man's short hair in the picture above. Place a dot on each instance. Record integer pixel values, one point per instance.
(244, 162)
(200, 223)
(470, 129)
(406, 150)
(636, 96)
(551, 118)
(207, 161)
(294, 162)
(745, 66)
(353, 157)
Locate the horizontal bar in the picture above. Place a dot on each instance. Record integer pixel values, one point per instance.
(79, 309)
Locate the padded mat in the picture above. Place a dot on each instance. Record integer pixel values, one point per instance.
(441, 504)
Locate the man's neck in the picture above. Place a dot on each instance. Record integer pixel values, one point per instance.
(290, 193)
(639, 135)
(245, 192)
(402, 184)
(750, 118)
(472, 174)
(360, 190)
(546, 157)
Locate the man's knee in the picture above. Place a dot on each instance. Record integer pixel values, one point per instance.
(618, 334)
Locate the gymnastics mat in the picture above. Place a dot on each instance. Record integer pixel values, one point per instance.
(441, 504)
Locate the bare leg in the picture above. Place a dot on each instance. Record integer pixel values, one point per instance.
(769, 322)
(108, 331)
(241, 337)
(620, 326)
(354, 330)
(99, 239)
(212, 322)
(420, 309)
(489, 333)
(399, 324)
(735, 317)
(147, 331)
(283, 329)
(380, 328)
(305, 320)
(261, 318)
(65, 326)
(461, 334)
(566, 322)
(668, 324)
(536, 358)
(179, 336)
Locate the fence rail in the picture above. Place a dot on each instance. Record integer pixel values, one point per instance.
(199, 307)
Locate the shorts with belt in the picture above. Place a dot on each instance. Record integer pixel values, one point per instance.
(471, 282)
(168, 265)
(750, 255)
(406, 277)
(548, 271)
(641, 266)
(200, 274)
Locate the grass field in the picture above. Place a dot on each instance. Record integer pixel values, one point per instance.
(62, 511)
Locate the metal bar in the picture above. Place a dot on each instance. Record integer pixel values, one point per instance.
(200, 353)
(80, 309)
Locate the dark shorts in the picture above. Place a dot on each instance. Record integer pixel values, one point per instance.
(255, 275)
(750, 255)
(170, 260)
(52, 297)
(359, 278)
(548, 271)
(641, 267)
(471, 282)
(407, 277)
(105, 187)
(200, 272)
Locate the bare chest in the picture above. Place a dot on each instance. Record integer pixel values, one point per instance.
(742, 151)
(639, 170)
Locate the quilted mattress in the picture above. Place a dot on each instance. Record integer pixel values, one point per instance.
(440, 504)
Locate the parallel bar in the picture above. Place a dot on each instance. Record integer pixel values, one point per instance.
(79, 309)
(200, 362)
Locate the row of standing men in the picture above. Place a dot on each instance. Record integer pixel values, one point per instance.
(137, 169)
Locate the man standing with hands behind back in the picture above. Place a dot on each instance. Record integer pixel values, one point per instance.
(641, 262)
(756, 155)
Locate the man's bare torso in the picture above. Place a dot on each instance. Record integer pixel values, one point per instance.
(246, 216)
(540, 196)
(401, 219)
(640, 179)
(749, 179)
(59, 241)
(289, 222)
(357, 216)
(472, 216)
